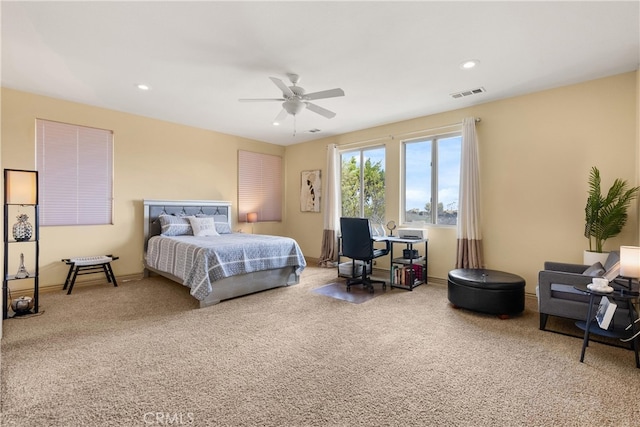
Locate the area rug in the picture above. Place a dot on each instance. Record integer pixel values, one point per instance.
(357, 295)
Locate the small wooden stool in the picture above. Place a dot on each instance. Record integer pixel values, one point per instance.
(89, 265)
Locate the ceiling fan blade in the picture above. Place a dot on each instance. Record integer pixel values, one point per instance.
(322, 111)
(261, 99)
(283, 87)
(331, 93)
(280, 117)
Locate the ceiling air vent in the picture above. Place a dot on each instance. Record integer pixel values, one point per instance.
(468, 92)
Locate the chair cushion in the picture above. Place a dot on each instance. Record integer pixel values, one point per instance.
(568, 292)
(596, 270)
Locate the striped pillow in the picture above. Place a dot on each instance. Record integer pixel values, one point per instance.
(171, 225)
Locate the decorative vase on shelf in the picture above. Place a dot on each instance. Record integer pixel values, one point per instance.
(22, 305)
(22, 270)
(22, 230)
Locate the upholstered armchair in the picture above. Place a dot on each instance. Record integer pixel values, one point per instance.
(557, 295)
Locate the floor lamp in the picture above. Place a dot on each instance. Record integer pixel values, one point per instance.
(630, 269)
(630, 265)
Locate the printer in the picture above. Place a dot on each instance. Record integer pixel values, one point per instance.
(412, 233)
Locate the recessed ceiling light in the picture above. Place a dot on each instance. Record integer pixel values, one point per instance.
(143, 86)
(276, 123)
(471, 63)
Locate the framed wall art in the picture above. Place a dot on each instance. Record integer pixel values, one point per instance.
(310, 191)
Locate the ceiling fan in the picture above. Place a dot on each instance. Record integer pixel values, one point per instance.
(295, 99)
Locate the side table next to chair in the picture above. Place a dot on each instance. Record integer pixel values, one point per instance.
(622, 332)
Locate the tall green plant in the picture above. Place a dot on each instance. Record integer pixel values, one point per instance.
(606, 216)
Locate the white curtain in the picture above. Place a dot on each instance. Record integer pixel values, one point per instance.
(469, 233)
(331, 214)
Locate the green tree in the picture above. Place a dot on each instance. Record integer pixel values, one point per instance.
(350, 187)
(373, 192)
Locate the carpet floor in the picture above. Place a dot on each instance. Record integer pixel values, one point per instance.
(142, 354)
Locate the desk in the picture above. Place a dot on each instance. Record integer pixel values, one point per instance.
(590, 325)
(417, 265)
(407, 272)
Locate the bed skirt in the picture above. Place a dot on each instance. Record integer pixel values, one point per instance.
(236, 286)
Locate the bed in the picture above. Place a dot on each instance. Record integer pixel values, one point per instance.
(219, 267)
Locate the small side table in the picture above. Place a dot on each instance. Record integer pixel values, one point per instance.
(89, 265)
(590, 325)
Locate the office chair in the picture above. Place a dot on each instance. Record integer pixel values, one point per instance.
(357, 244)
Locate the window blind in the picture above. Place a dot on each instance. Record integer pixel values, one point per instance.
(75, 170)
(259, 186)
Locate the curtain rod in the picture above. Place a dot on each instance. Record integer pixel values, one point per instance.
(365, 141)
(477, 119)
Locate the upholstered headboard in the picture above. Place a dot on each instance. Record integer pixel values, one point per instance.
(221, 210)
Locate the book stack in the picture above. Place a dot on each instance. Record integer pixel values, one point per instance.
(406, 275)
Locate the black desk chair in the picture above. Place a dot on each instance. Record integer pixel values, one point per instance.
(357, 244)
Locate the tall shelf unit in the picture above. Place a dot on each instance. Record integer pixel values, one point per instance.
(20, 197)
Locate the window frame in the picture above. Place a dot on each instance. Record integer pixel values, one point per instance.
(362, 160)
(435, 175)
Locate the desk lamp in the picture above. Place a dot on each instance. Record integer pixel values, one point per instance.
(630, 264)
(252, 217)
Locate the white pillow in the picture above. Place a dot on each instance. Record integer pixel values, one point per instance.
(203, 226)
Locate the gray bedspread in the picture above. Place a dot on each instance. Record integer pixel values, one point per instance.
(200, 261)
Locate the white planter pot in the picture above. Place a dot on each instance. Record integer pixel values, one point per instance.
(590, 258)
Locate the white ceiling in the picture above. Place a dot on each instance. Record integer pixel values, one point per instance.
(394, 60)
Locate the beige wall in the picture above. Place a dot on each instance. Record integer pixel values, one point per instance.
(152, 160)
(535, 153)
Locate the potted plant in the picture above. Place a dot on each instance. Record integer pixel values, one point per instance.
(605, 216)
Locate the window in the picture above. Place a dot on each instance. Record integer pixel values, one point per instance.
(432, 178)
(259, 186)
(362, 184)
(75, 173)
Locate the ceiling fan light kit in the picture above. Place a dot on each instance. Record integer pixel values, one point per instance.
(295, 99)
(293, 106)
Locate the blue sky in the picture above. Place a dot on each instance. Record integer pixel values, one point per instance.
(418, 173)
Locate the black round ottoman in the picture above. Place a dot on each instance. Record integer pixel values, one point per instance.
(486, 291)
